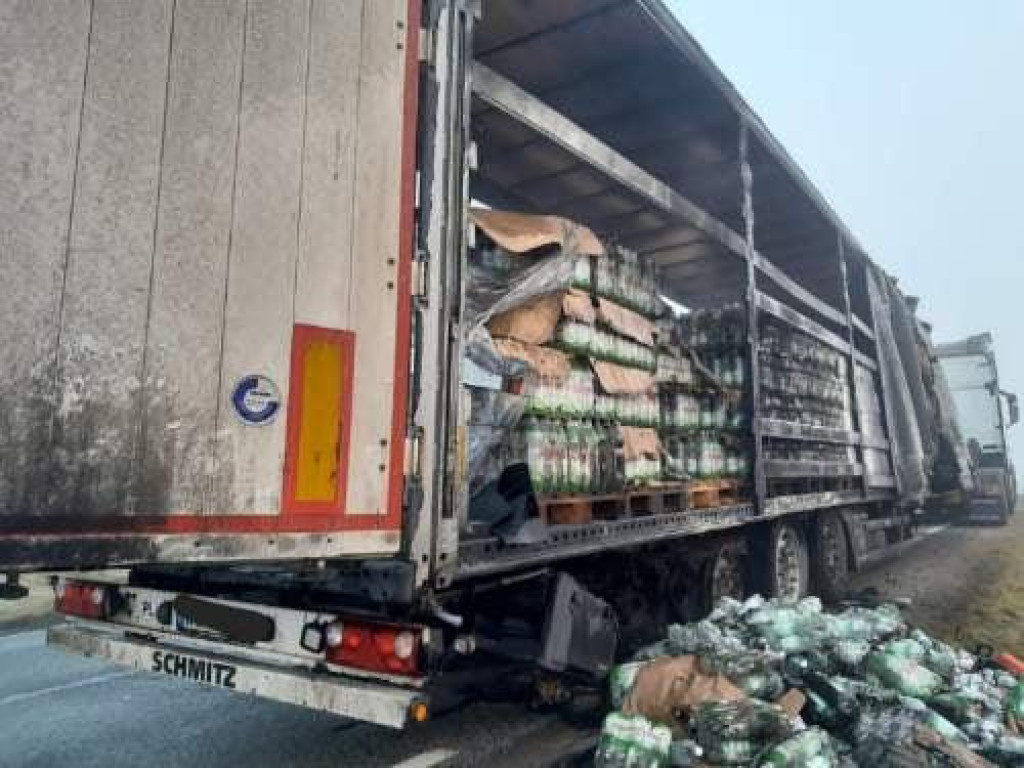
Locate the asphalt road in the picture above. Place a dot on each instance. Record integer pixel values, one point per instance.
(57, 709)
(62, 710)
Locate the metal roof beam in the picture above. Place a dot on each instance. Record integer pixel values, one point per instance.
(505, 95)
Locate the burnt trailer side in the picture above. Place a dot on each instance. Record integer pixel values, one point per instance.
(662, 155)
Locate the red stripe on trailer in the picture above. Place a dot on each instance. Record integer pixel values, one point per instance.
(403, 326)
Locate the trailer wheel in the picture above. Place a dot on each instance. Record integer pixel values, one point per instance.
(1003, 515)
(725, 573)
(783, 567)
(830, 556)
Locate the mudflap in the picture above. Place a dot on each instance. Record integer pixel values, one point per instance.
(581, 631)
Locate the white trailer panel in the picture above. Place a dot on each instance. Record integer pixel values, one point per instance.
(205, 223)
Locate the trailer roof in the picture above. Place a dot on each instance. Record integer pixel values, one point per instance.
(981, 344)
(627, 73)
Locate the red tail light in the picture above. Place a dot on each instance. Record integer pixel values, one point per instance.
(376, 648)
(89, 601)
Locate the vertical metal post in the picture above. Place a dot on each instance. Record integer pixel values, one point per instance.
(852, 358)
(883, 381)
(753, 337)
(434, 532)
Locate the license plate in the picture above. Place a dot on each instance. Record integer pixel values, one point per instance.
(194, 668)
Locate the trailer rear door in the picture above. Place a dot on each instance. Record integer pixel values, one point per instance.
(205, 233)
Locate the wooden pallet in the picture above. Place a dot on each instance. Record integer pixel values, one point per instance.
(657, 499)
(574, 509)
(704, 494)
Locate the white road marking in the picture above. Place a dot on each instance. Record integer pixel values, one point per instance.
(97, 680)
(22, 641)
(427, 759)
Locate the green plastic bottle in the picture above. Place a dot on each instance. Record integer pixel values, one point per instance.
(904, 675)
(800, 750)
(632, 742)
(1015, 702)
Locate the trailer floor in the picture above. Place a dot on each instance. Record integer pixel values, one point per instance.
(966, 584)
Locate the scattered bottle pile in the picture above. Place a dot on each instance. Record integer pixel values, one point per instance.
(795, 686)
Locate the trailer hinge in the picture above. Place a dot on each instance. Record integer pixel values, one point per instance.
(419, 275)
(413, 446)
(426, 46)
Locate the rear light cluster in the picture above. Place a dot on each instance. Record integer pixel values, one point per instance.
(88, 601)
(374, 647)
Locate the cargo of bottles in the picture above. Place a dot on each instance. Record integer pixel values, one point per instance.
(620, 277)
(802, 380)
(586, 341)
(724, 326)
(577, 457)
(703, 456)
(577, 398)
(795, 450)
(683, 411)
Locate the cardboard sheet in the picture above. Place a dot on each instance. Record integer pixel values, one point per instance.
(669, 690)
(638, 442)
(578, 305)
(619, 380)
(522, 232)
(533, 323)
(548, 363)
(626, 322)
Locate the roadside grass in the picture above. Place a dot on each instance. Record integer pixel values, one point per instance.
(996, 615)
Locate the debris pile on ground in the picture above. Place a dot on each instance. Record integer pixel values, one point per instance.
(776, 684)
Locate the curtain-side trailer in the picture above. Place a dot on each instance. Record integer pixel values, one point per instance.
(233, 325)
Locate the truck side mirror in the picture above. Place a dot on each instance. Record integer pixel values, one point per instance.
(1014, 407)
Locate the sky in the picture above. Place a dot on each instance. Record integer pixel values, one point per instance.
(909, 117)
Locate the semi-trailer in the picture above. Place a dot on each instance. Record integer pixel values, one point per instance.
(365, 336)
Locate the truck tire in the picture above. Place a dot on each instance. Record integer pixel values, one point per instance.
(725, 574)
(782, 562)
(1003, 515)
(830, 556)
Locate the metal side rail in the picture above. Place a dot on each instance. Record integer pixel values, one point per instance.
(489, 555)
(315, 689)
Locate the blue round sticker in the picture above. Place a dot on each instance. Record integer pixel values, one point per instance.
(256, 399)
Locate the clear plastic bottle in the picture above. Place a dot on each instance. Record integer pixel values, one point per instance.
(593, 435)
(693, 458)
(556, 456)
(581, 272)
(538, 457)
(605, 459)
(707, 413)
(580, 458)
